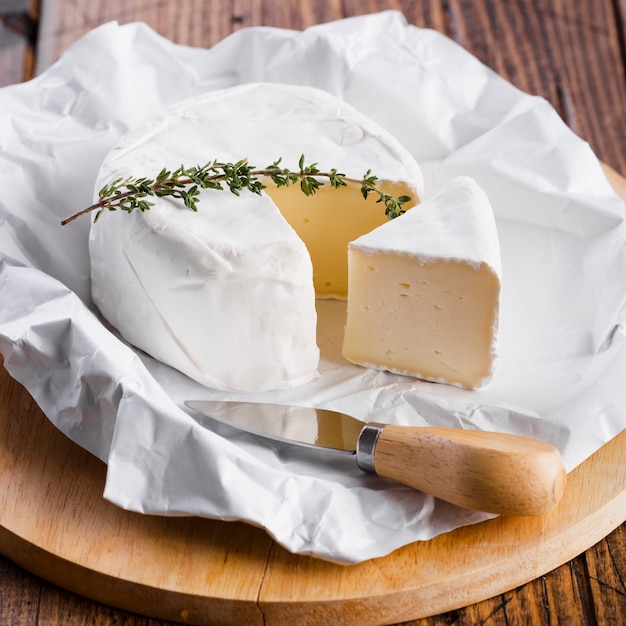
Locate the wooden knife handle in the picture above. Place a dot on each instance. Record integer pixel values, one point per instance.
(485, 471)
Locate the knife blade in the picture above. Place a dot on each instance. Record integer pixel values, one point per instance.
(487, 471)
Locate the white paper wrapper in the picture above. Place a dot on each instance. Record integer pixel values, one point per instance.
(562, 346)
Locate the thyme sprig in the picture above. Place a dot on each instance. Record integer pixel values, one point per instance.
(185, 183)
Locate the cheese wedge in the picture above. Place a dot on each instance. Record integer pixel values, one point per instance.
(424, 290)
(226, 295)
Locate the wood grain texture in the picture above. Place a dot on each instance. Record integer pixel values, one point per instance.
(571, 53)
(54, 522)
(13, 54)
(495, 472)
(18, 33)
(81, 531)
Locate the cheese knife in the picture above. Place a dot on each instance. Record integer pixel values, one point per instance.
(486, 471)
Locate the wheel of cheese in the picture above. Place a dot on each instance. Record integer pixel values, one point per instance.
(227, 294)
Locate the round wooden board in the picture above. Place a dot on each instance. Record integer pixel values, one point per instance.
(54, 523)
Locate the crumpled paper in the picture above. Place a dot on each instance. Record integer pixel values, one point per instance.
(562, 343)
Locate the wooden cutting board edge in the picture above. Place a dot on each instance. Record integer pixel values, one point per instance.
(54, 523)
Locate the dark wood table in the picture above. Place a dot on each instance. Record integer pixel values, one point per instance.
(572, 53)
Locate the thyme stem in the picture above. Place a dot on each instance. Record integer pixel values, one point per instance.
(185, 184)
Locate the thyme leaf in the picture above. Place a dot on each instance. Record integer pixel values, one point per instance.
(186, 183)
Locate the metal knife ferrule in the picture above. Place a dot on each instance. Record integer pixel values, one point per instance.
(366, 446)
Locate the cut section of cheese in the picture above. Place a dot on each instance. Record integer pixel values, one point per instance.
(328, 221)
(424, 290)
(226, 294)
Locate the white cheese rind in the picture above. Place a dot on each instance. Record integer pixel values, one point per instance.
(229, 308)
(225, 295)
(424, 290)
(457, 223)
